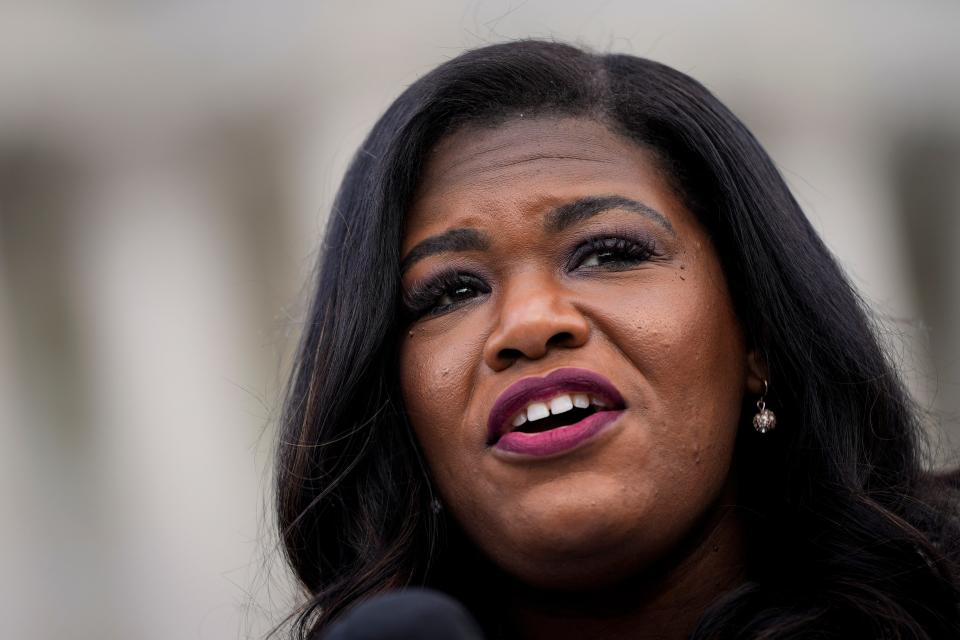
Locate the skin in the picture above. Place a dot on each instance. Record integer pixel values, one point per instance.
(633, 530)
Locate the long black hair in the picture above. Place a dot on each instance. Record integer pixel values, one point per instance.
(848, 535)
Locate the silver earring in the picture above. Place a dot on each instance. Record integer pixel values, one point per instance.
(765, 420)
(435, 505)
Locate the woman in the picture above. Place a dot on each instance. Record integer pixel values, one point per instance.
(561, 298)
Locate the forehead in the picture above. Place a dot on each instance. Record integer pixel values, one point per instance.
(536, 161)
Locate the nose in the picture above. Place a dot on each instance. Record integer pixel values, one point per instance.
(536, 315)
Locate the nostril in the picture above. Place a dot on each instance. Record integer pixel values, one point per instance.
(560, 339)
(510, 354)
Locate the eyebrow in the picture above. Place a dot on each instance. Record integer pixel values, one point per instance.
(564, 216)
(579, 210)
(462, 239)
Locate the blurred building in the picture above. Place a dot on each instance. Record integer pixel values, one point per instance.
(165, 168)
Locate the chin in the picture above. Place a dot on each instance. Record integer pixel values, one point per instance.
(593, 555)
(582, 574)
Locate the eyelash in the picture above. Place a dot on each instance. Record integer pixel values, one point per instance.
(423, 298)
(628, 250)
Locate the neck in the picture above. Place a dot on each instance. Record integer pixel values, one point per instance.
(665, 601)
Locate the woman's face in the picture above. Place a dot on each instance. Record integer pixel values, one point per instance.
(555, 277)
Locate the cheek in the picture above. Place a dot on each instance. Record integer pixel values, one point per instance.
(681, 333)
(436, 385)
(683, 338)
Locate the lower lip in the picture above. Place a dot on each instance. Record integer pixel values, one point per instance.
(556, 441)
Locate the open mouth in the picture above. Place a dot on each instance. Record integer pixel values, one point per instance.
(545, 429)
(573, 416)
(537, 410)
(561, 409)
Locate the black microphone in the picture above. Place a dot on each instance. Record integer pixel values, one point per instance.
(411, 614)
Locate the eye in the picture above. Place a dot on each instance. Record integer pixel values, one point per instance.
(442, 293)
(611, 252)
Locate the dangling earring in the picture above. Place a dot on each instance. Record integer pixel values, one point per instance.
(765, 420)
(435, 505)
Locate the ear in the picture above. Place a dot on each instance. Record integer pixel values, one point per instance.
(757, 371)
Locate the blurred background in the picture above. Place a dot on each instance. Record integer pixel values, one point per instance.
(165, 172)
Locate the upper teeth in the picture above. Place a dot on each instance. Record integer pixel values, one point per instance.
(557, 404)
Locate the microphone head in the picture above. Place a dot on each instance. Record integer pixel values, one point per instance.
(411, 614)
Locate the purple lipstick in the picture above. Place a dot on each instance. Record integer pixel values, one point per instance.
(541, 417)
